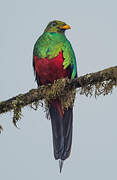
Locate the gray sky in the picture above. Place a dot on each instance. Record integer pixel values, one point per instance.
(28, 153)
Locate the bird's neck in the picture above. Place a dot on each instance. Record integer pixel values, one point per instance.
(54, 36)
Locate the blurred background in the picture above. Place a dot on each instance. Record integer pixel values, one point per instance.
(28, 153)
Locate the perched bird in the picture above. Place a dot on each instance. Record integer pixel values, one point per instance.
(54, 58)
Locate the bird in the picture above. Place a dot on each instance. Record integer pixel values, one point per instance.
(53, 59)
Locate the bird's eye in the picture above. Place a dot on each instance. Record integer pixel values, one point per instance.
(54, 24)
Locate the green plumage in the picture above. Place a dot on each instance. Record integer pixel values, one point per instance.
(51, 44)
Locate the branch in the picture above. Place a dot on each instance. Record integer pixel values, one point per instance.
(101, 82)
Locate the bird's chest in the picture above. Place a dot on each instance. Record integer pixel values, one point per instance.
(49, 70)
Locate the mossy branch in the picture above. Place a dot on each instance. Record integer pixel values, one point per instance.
(101, 82)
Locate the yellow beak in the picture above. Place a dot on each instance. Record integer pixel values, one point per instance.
(66, 27)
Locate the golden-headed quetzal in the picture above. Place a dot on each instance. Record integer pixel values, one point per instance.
(54, 58)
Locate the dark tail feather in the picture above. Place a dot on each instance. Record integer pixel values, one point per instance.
(67, 132)
(62, 132)
(60, 164)
(57, 131)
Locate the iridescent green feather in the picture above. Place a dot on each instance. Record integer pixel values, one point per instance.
(51, 44)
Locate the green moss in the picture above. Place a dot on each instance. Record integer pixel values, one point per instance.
(95, 84)
(17, 111)
(58, 90)
(54, 91)
(105, 87)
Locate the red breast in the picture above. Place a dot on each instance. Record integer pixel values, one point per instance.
(50, 69)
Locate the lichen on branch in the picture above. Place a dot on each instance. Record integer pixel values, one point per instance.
(97, 83)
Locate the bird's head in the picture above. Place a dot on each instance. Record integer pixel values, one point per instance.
(57, 26)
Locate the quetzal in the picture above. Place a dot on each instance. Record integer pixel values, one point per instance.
(54, 58)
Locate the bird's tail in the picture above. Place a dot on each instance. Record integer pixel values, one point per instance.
(61, 130)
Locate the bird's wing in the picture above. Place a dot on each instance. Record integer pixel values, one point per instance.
(37, 78)
(69, 60)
